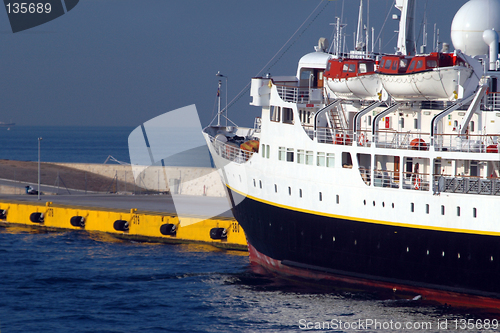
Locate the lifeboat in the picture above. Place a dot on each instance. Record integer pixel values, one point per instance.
(434, 76)
(353, 78)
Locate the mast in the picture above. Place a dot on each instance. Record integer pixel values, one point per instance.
(359, 35)
(406, 38)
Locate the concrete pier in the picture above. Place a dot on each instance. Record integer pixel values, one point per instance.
(152, 217)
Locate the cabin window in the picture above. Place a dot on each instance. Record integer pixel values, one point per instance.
(287, 116)
(309, 157)
(300, 116)
(275, 113)
(289, 154)
(442, 210)
(395, 65)
(412, 207)
(432, 63)
(275, 188)
(388, 64)
(362, 68)
(412, 65)
(345, 69)
(427, 208)
(338, 199)
(263, 150)
(472, 126)
(474, 212)
(300, 156)
(369, 120)
(403, 63)
(267, 151)
(320, 160)
(346, 160)
(330, 160)
(458, 211)
(382, 63)
(352, 68)
(300, 192)
(320, 196)
(415, 123)
(420, 63)
(281, 153)
(370, 67)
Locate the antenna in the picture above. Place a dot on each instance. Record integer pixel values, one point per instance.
(358, 43)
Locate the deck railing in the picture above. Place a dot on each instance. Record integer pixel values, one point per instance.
(333, 136)
(492, 101)
(230, 152)
(466, 184)
(293, 94)
(467, 143)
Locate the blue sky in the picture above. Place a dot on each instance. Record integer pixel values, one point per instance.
(123, 62)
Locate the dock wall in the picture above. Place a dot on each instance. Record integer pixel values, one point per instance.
(178, 180)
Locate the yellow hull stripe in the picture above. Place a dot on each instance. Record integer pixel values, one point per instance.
(395, 224)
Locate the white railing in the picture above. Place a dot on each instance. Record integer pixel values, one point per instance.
(403, 140)
(493, 101)
(230, 152)
(333, 136)
(293, 94)
(467, 143)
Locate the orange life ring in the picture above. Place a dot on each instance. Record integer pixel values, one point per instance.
(362, 139)
(417, 183)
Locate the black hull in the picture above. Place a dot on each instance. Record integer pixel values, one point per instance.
(441, 260)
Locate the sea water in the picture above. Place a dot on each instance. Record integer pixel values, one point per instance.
(85, 282)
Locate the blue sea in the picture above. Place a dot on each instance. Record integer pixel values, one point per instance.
(84, 282)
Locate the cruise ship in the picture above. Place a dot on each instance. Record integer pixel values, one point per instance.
(381, 171)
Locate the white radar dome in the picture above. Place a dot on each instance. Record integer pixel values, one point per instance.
(471, 21)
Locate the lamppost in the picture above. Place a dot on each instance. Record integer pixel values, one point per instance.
(39, 139)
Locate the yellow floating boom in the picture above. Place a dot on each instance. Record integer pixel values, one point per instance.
(133, 224)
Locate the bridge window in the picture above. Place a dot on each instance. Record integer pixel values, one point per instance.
(275, 113)
(287, 116)
(289, 154)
